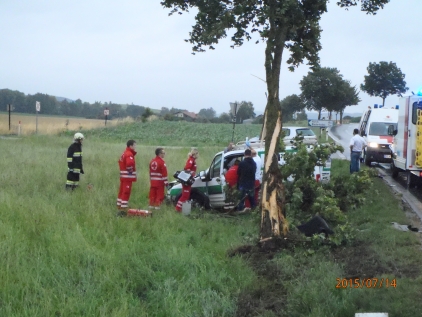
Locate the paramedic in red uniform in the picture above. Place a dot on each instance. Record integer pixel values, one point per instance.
(231, 175)
(190, 167)
(127, 175)
(158, 179)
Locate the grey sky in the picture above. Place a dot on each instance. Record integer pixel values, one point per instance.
(133, 52)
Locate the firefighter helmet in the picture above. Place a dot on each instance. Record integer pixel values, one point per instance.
(78, 136)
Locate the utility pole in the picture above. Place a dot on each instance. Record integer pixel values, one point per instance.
(233, 107)
(106, 113)
(9, 108)
(37, 109)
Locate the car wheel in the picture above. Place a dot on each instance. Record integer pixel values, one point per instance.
(367, 161)
(198, 199)
(394, 171)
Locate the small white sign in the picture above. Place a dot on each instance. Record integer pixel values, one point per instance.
(38, 106)
(106, 112)
(234, 107)
(320, 123)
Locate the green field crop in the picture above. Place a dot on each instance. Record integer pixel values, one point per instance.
(67, 254)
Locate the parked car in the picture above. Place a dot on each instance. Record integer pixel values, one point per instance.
(290, 133)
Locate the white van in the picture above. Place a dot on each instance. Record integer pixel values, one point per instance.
(407, 146)
(208, 189)
(373, 127)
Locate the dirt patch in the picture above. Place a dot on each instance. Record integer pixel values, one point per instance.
(266, 297)
(360, 261)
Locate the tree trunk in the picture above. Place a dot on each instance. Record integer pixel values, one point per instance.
(319, 114)
(383, 102)
(273, 222)
(341, 116)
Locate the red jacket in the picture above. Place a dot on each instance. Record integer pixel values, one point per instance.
(158, 172)
(190, 165)
(231, 176)
(127, 165)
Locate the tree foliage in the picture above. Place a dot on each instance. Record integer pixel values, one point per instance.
(207, 113)
(245, 111)
(280, 24)
(325, 88)
(52, 106)
(290, 105)
(384, 79)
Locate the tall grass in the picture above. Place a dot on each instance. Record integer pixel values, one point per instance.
(66, 253)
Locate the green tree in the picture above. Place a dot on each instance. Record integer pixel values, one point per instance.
(281, 24)
(224, 118)
(164, 111)
(348, 96)
(289, 106)
(320, 89)
(384, 79)
(207, 113)
(325, 88)
(245, 111)
(302, 116)
(148, 113)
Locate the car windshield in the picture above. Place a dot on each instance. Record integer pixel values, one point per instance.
(305, 132)
(380, 128)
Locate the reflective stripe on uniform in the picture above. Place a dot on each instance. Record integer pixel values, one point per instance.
(127, 176)
(69, 160)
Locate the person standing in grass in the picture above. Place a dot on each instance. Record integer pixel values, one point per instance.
(246, 172)
(158, 179)
(357, 144)
(190, 167)
(74, 162)
(127, 167)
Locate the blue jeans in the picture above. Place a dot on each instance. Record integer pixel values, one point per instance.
(354, 162)
(250, 193)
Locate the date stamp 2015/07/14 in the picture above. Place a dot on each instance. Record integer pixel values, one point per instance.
(365, 282)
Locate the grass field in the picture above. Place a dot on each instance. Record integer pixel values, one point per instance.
(47, 124)
(67, 254)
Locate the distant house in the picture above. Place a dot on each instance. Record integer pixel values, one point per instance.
(186, 115)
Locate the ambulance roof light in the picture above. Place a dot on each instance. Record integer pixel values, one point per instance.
(397, 106)
(375, 106)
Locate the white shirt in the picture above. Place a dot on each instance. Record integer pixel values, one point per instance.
(358, 143)
(258, 163)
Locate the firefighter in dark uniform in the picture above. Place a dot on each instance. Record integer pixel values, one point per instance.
(74, 161)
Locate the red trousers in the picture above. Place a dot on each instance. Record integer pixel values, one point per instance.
(156, 195)
(124, 193)
(185, 197)
(257, 189)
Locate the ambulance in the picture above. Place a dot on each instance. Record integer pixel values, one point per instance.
(373, 127)
(208, 186)
(407, 145)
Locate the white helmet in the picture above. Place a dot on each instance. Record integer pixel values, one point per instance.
(78, 136)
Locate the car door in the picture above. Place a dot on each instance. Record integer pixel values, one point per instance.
(215, 182)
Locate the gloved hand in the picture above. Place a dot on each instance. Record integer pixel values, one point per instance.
(129, 170)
